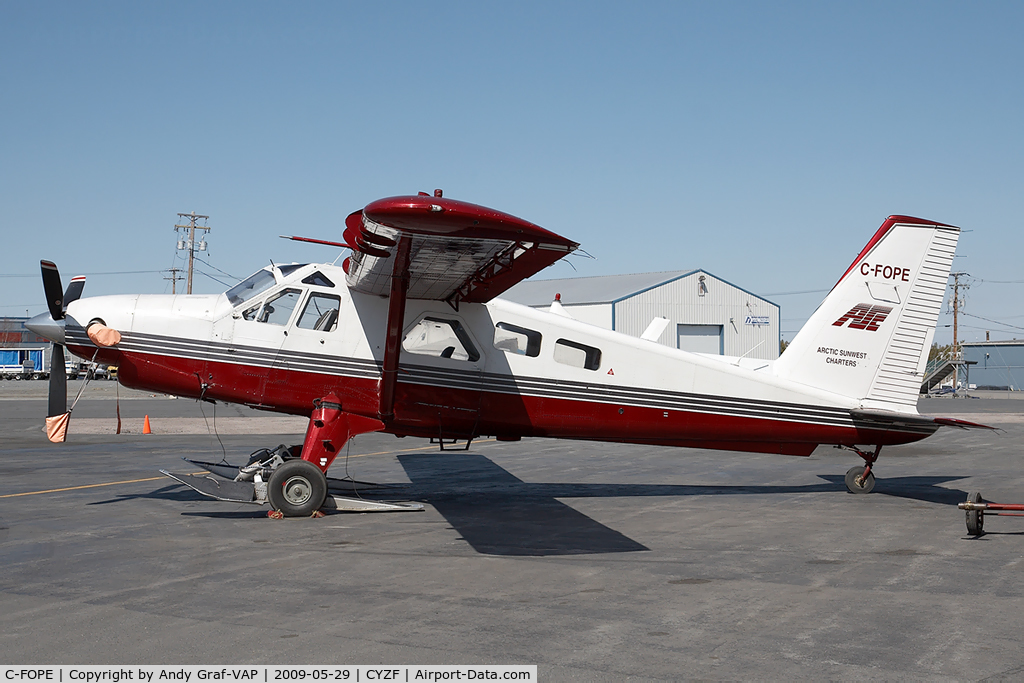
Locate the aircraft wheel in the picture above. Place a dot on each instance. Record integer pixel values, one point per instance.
(975, 518)
(857, 485)
(297, 488)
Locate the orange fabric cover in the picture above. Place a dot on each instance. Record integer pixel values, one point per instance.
(101, 335)
(57, 427)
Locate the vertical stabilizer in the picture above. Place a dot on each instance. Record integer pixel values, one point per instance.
(869, 338)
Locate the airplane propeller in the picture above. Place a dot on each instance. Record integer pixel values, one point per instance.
(57, 303)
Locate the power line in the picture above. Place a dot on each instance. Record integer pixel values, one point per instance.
(217, 269)
(114, 272)
(213, 278)
(989, 320)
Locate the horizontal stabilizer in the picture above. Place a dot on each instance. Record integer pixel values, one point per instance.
(884, 418)
(962, 424)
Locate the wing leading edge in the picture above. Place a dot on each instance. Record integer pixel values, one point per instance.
(459, 252)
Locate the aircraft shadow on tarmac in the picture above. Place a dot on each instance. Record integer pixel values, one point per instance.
(183, 494)
(499, 514)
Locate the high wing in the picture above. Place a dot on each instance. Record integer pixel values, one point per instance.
(457, 251)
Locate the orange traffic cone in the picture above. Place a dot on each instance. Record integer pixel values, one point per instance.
(145, 426)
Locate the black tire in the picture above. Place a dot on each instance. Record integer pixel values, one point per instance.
(975, 518)
(854, 482)
(297, 488)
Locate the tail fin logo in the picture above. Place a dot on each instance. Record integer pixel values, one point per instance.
(864, 317)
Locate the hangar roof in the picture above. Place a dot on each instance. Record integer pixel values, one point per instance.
(1005, 342)
(602, 289)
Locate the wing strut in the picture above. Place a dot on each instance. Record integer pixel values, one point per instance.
(396, 320)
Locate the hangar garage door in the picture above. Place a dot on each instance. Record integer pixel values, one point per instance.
(700, 338)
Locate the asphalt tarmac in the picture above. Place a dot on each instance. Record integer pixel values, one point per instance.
(597, 562)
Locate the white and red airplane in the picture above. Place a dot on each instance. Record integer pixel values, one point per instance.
(409, 337)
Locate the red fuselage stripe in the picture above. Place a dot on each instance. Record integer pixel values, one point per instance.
(423, 410)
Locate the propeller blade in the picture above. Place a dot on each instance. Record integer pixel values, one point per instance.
(53, 290)
(74, 290)
(58, 398)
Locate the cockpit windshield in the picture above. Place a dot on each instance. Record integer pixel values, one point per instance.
(256, 283)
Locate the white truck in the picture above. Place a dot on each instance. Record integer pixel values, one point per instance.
(25, 362)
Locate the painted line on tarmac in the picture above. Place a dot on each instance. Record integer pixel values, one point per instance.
(136, 481)
(74, 488)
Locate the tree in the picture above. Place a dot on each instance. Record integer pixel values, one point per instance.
(944, 351)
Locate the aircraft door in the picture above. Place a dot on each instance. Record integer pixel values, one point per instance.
(306, 350)
(259, 333)
(440, 383)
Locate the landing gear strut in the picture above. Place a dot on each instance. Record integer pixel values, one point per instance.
(861, 479)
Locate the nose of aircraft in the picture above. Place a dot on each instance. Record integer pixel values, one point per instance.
(47, 327)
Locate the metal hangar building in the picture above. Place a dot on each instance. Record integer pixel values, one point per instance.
(995, 364)
(706, 313)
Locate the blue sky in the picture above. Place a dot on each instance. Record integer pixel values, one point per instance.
(763, 142)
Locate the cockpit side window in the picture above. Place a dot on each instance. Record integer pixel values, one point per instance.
(255, 284)
(320, 313)
(278, 308)
(317, 278)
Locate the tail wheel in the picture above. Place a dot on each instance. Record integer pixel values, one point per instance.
(297, 488)
(856, 482)
(975, 518)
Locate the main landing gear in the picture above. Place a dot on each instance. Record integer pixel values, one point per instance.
(293, 479)
(860, 479)
(297, 488)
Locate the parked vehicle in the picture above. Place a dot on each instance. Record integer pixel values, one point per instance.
(25, 363)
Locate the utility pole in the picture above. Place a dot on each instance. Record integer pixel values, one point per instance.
(957, 305)
(174, 278)
(190, 244)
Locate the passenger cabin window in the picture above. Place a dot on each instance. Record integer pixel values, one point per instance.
(441, 338)
(277, 309)
(255, 284)
(320, 313)
(514, 339)
(577, 355)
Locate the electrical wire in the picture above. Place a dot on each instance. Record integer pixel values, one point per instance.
(217, 269)
(223, 450)
(212, 277)
(989, 320)
(113, 272)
